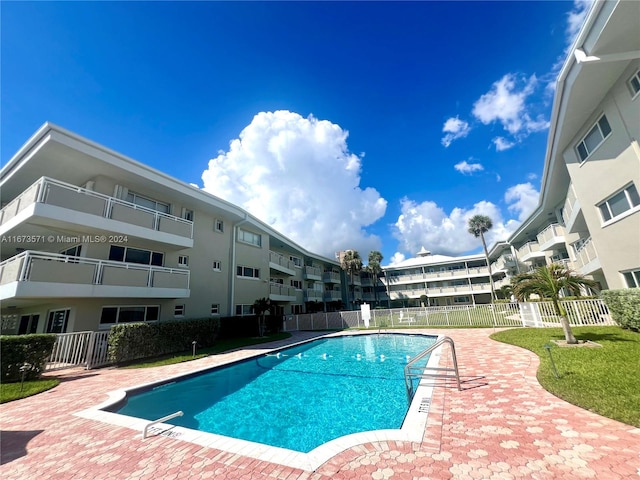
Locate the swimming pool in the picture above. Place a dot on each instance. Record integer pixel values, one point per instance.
(298, 398)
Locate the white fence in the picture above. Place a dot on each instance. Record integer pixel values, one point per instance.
(79, 349)
(534, 314)
(89, 349)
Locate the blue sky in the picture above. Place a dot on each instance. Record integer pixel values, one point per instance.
(366, 125)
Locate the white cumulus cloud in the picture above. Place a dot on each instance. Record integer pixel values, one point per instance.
(506, 103)
(454, 129)
(468, 168)
(297, 175)
(522, 199)
(575, 18)
(428, 225)
(502, 144)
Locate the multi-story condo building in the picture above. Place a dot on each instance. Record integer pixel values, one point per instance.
(588, 216)
(439, 280)
(91, 238)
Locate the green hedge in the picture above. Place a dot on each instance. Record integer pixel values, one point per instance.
(624, 306)
(20, 349)
(133, 341)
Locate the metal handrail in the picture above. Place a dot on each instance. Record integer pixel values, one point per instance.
(160, 420)
(423, 374)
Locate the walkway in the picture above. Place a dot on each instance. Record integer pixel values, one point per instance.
(506, 427)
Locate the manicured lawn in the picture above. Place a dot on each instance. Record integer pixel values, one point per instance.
(220, 347)
(604, 380)
(14, 391)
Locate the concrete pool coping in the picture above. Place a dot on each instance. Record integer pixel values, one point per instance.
(412, 429)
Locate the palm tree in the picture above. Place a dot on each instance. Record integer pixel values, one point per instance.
(374, 268)
(260, 307)
(352, 264)
(478, 226)
(548, 282)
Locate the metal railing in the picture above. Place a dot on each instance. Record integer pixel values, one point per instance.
(79, 349)
(55, 192)
(179, 413)
(509, 314)
(281, 260)
(56, 268)
(426, 371)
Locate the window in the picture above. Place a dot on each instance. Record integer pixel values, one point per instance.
(248, 272)
(278, 281)
(183, 260)
(147, 202)
(460, 299)
(297, 284)
(215, 309)
(217, 266)
(135, 255)
(218, 226)
(178, 310)
(244, 310)
(187, 214)
(296, 309)
(57, 321)
(129, 314)
(249, 237)
(632, 278)
(297, 261)
(73, 251)
(594, 138)
(619, 203)
(634, 84)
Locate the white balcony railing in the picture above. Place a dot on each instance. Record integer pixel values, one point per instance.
(585, 254)
(281, 290)
(54, 192)
(310, 272)
(278, 260)
(569, 205)
(331, 295)
(313, 295)
(551, 236)
(331, 277)
(44, 267)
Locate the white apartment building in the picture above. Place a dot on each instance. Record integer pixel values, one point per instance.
(90, 238)
(444, 280)
(588, 215)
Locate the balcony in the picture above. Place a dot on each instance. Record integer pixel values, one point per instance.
(551, 237)
(41, 274)
(312, 295)
(366, 281)
(311, 273)
(281, 293)
(529, 251)
(354, 280)
(459, 289)
(331, 295)
(503, 264)
(51, 204)
(586, 260)
(331, 277)
(281, 264)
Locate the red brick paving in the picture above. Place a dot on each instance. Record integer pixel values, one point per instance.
(505, 427)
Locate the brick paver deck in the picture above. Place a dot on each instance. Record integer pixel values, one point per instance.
(503, 425)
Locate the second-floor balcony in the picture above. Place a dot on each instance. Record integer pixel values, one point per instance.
(50, 203)
(586, 257)
(280, 292)
(529, 251)
(281, 263)
(551, 237)
(311, 273)
(32, 274)
(312, 295)
(331, 277)
(503, 263)
(331, 295)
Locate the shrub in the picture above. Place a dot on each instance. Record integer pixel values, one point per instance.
(133, 341)
(247, 326)
(624, 306)
(18, 350)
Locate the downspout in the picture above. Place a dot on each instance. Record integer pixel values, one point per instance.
(232, 269)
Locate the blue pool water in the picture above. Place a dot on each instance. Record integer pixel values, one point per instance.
(298, 398)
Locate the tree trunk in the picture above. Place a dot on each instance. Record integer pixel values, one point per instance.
(486, 254)
(564, 321)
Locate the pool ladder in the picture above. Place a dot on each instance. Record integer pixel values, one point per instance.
(413, 371)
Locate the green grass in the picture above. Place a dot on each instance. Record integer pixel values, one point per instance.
(16, 391)
(220, 347)
(603, 380)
